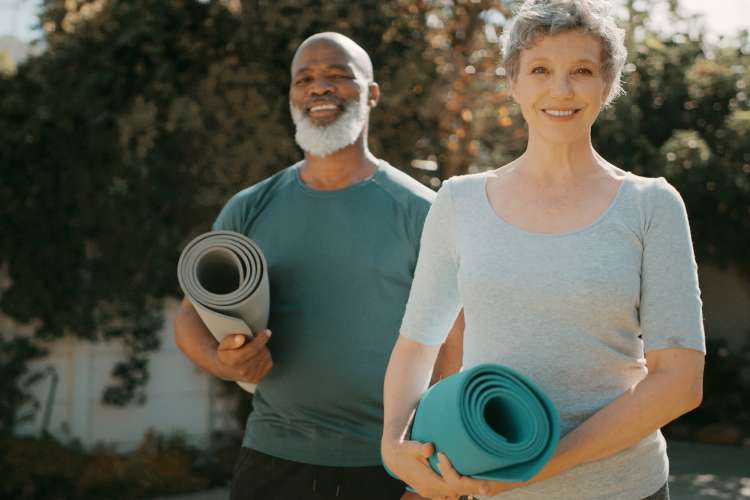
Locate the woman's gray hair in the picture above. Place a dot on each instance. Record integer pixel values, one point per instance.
(537, 18)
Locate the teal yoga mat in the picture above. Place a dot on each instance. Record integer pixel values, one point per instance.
(491, 422)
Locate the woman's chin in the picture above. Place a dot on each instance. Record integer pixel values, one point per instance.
(563, 137)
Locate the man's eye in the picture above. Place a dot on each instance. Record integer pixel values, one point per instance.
(302, 81)
(584, 71)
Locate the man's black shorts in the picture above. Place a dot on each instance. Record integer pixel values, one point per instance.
(258, 476)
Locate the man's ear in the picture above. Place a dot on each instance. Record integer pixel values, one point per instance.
(373, 97)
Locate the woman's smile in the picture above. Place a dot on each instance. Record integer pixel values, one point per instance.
(560, 114)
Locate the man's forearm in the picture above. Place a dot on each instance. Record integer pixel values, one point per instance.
(194, 339)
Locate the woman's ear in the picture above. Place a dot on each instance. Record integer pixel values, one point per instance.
(511, 89)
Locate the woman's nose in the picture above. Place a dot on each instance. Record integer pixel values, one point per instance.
(561, 87)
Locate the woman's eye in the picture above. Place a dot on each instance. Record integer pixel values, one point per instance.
(584, 71)
(539, 70)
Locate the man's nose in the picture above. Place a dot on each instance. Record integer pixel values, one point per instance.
(321, 86)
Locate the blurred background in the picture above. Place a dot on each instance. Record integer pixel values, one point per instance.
(125, 126)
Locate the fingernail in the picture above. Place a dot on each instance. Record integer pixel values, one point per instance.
(268, 333)
(239, 339)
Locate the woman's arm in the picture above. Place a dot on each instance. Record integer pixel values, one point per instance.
(450, 357)
(673, 386)
(433, 306)
(406, 379)
(449, 361)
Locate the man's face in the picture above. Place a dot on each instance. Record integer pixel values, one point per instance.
(325, 78)
(330, 98)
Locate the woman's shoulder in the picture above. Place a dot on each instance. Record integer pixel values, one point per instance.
(655, 200)
(654, 190)
(466, 180)
(464, 186)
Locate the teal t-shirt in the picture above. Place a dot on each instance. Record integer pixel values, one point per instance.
(340, 265)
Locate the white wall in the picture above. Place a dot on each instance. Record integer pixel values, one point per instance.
(179, 395)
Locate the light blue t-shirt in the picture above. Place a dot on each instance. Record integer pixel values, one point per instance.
(340, 266)
(574, 312)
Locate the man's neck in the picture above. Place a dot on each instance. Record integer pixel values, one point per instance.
(339, 170)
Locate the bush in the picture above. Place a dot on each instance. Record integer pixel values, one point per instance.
(36, 469)
(724, 415)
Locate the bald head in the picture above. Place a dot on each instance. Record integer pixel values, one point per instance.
(357, 55)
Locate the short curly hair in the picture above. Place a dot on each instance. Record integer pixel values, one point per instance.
(537, 18)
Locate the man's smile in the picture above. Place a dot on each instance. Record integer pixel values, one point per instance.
(323, 109)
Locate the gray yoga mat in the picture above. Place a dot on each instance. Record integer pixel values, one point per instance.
(225, 276)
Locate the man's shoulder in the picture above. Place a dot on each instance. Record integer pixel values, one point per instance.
(403, 188)
(279, 180)
(245, 205)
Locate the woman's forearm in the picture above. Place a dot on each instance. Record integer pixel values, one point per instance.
(450, 357)
(672, 388)
(406, 378)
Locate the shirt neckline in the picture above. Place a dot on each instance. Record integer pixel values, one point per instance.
(336, 192)
(602, 216)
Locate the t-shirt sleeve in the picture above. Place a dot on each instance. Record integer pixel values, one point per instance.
(434, 299)
(670, 308)
(231, 217)
(419, 215)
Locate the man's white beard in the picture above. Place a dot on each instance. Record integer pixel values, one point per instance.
(327, 139)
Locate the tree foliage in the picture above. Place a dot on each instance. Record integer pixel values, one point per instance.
(123, 139)
(686, 116)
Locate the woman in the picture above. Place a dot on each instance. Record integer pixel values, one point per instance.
(571, 271)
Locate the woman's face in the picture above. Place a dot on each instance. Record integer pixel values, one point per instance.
(560, 86)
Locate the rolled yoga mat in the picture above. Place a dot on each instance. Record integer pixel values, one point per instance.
(491, 422)
(224, 274)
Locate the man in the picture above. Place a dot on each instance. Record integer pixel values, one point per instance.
(340, 231)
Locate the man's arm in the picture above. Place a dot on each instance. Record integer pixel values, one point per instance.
(235, 358)
(450, 357)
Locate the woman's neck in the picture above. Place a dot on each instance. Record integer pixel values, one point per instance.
(547, 163)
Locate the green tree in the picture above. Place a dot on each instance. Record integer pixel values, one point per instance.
(126, 136)
(95, 217)
(123, 139)
(686, 117)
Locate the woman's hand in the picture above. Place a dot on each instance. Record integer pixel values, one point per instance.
(408, 461)
(469, 486)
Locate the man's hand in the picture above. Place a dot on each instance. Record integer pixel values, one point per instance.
(243, 360)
